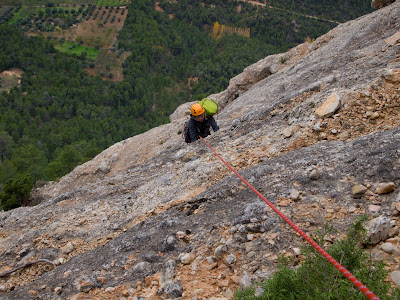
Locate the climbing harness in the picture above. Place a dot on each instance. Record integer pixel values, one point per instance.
(338, 266)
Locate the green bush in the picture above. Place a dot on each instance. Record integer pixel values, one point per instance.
(317, 279)
(15, 192)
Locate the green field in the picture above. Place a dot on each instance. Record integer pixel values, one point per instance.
(76, 49)
(27, 11)
(111, 2)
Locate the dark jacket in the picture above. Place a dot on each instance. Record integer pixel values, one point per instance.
(202, 129)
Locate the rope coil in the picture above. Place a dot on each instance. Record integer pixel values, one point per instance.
(338, 266)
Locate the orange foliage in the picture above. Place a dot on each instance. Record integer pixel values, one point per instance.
(219, 30)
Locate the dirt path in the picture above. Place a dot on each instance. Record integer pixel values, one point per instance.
(293, 12)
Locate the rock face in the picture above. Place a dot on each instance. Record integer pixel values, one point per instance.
(157, 218)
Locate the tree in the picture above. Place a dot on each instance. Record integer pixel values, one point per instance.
(15, 192)
(65, 162)
(7, 170)
(215, 30)
(31, 160)
(6, 142)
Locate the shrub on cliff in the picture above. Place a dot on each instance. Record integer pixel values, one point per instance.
(317, 279)
(16, 191)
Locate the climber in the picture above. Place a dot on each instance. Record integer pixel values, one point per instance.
(199, 123)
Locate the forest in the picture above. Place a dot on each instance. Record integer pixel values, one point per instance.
(337, 10)
(59, 117)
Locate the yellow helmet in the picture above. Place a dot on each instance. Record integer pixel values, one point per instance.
(196, 109)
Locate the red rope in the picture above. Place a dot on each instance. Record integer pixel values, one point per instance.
(338, 266)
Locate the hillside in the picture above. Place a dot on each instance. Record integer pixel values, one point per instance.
(93, 73)
(154, 218)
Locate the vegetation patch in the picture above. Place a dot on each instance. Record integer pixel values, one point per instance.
(91, 25)
(219, 30)
(80, 30)
(8, 82)
(111, 2)
(15, 192)
(108, 65)
(318, 279)
(9, 79)
(72, 48)
(96, 33)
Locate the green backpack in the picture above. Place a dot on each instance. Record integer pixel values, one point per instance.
(210, 105)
